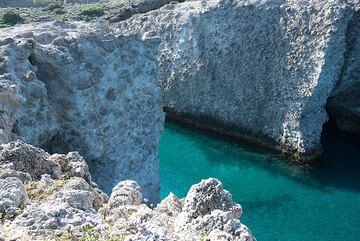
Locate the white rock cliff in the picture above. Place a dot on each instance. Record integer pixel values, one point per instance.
(260, 70)
(68, 87)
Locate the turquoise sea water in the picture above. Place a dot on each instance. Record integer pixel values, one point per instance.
(280, 201)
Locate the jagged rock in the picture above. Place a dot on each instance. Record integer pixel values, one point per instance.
(72, 205)
(27, 158)
(98, 196)
(218, 225)
(207, 196)
(73, 164)
(125, 193)
(90, 88)
(78, 199)
(12, 195)
(171, 205)
(10, 172)
(48, 204)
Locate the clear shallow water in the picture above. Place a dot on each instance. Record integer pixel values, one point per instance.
(280, 201)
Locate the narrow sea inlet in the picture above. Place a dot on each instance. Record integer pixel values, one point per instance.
(281, 201)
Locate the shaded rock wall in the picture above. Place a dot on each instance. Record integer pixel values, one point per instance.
(344, 103)
(86, 88)
(261, 70)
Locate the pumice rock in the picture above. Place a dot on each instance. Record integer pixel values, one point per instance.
(68, 206)
(89, 88)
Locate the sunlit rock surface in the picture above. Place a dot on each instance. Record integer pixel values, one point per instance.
(261, 70)
(87, 88)
(69, 205)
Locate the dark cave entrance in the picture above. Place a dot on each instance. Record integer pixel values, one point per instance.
(340, 156)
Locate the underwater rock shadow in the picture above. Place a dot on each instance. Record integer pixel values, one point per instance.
(325, 174)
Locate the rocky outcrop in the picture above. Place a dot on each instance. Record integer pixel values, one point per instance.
(84, 87)
(12, 195)
(259, 70)
(70, 206)
(344, 103)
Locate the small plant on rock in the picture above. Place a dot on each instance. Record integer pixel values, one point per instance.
(11, 17)
(54, 6)
(92, 11)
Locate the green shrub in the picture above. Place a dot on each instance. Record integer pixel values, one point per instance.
(11, 17)
(54, 7)
(92, 11)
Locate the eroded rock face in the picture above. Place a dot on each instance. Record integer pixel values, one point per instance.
(67, 206)
(261, 70)
(344, 103)
(88, 88)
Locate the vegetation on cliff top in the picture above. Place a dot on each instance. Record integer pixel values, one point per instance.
(9, 17)
(58, 11)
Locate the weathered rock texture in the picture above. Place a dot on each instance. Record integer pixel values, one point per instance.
(69, 206)
(261, 70)
(344, 103)
(81, 87)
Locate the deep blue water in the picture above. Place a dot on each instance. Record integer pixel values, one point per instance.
(281, 201)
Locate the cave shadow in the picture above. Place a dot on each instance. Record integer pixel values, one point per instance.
(337, 167)
(339, 163)
(321, 172)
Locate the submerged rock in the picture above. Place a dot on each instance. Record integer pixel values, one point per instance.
(69, 206)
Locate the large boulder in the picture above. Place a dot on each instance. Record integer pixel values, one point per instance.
(207, 196)
(88, 88)
(12, 195)
(125, 193)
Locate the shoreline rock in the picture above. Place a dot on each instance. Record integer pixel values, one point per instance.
(262, 68)
(266, 79)
(70, 206)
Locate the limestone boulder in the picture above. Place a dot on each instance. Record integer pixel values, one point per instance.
(12, 195)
